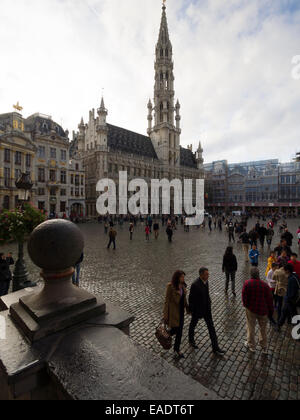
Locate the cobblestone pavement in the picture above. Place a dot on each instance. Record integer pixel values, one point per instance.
(135, 277)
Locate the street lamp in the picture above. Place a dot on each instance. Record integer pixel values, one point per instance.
(20, 276)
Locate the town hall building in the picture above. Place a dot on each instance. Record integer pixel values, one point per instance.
(107, 149)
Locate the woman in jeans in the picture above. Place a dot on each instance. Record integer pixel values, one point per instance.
(230, 268)
(175, 304)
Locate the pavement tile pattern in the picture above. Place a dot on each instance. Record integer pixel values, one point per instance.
(135, 277)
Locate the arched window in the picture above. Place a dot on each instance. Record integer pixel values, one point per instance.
(161, 52)
(167, 81)
(161, 108)
(168, 108)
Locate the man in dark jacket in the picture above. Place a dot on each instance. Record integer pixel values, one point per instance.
(288, 237)
(246, 243)
(112, 237)
(262, 233)
(5, 274)
(200, 307)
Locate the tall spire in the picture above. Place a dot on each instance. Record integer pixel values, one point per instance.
(165, 135)
(163, 38)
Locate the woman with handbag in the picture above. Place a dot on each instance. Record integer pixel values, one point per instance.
(175, 304)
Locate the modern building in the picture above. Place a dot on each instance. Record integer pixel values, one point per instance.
(108, 149)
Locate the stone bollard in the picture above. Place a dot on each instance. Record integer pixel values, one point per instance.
(55, 246)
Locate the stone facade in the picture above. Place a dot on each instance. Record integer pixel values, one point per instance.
(39, 146)
(266, 184)
(107, 149)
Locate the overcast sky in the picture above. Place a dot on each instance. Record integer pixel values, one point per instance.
(233, 67)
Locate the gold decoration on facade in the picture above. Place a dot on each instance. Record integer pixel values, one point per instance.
(17, 107)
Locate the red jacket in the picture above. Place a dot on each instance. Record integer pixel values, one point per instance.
(296, 266)
(257, 297)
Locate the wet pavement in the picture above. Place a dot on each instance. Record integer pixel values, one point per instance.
(135, 277)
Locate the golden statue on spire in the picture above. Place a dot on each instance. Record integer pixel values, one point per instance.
(18, 107)
(164, 2)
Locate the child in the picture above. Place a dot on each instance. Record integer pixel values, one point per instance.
(253, 255)
(271, 260)
(147, 231)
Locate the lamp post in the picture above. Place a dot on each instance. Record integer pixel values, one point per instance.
(20, 276)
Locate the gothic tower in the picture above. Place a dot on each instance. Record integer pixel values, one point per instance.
(165, 135)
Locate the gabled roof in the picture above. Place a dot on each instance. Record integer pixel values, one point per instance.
(129, 142)
(187, 158)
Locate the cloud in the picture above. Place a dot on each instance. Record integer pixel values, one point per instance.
(232, 67)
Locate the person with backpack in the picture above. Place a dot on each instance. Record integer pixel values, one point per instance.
(230, 267)
(292, 298)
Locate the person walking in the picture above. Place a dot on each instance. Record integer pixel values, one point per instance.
(258, 303)
(253, 235)
(112, 237)
(5, 273)
(270, 235)
(253, 255)
(210, 222)
(292, 297)
(245, 243)
(220, 224)
(262, 233)
(106, 227)
(230, 267)
(147, 232)
(76, 274)
(131, 230)
(280, 278)
(175, 305)
(156, 230)
(288, 237)
(231, 232)
(200, 308)
(169, 232)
